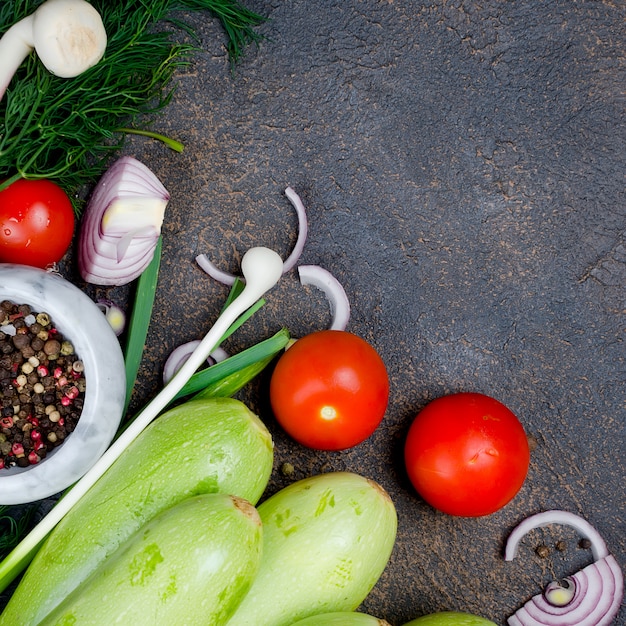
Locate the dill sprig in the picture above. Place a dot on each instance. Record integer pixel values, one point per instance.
(67, 129)
(13, 527)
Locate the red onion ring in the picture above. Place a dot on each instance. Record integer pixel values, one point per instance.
(226, 278)
(207, 266)
(303, 229)
(115, 247)
(582, 526)
(597, 589)
(333, 290)
(179, 356)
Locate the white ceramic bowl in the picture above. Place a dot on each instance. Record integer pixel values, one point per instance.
(82, 322)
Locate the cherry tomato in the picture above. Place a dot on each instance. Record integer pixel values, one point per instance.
(330, 390)
(36, 223)
(467, 454)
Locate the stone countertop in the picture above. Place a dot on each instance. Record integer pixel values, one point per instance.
(462, 165)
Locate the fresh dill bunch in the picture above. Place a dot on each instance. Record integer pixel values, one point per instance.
(67, 129)
(14, 526)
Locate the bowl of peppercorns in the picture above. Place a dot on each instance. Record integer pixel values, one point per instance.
(62, 384)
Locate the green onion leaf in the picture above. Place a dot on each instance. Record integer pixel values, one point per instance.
(229, 376)
(140, 320)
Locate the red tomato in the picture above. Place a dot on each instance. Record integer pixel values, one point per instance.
(467, 454)
(330, 390)
(36, 223)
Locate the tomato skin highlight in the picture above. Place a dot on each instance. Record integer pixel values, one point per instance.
(36, 223)
(467, 454)
(329, 390)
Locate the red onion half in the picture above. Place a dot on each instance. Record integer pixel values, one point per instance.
(121, 224)
(591, 597)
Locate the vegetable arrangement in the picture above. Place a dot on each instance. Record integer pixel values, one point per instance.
(167, 527)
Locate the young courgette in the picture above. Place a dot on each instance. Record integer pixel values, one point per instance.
(342, 618)
(202, 446)
(191, 564)
(326, 541)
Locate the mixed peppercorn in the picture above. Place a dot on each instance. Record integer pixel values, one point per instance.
(42, 386)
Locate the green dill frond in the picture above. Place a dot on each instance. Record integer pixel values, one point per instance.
(13, 526)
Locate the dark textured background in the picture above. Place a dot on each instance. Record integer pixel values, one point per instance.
(463, 168)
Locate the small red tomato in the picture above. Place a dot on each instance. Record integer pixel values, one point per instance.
(36, 223)
(467, 454)
(330, 390)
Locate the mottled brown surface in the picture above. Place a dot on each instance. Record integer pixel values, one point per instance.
(462, 164)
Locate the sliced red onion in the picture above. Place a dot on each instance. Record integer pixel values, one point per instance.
(333, 290)
(582, 526)
(227, 278)
(594, 594)
(177, 359)
(179, 356)
(114, 315)
(217, 356)
(121, 224)
(303, 229)
(207, 266)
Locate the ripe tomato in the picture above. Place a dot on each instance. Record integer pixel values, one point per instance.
(36, 223)
(330, 390)
(467, 454)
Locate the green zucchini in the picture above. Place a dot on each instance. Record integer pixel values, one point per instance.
(191, 564)
(450, 618)
(326, 541)
(342, 618)
(202, 446)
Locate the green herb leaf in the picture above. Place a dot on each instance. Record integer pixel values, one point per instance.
(227, 377)
(140, 320)
(13, 526)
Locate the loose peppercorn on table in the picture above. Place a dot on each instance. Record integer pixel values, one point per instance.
(462, 168)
